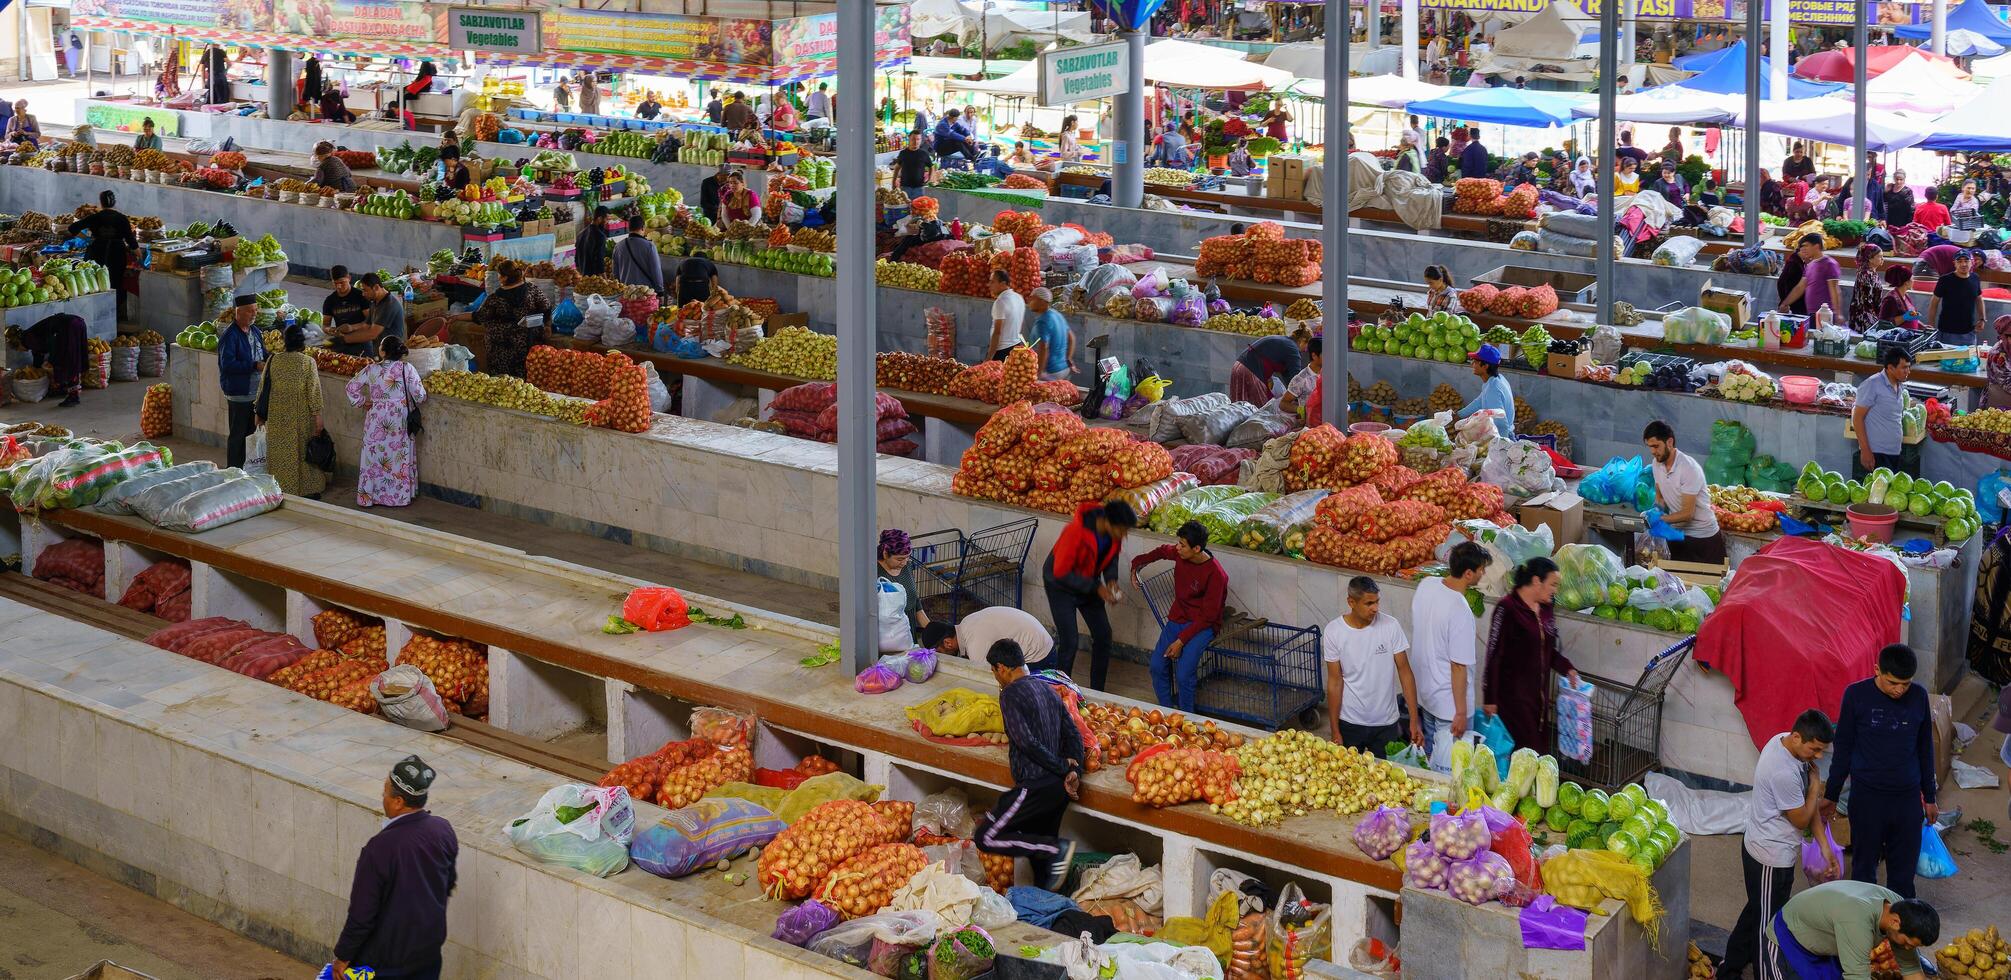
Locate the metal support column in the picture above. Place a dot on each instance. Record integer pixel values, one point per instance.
(1334, 225)
(1609, 91)
(1937, 38)
(1628, 45)
(858, 523)
(1752, 195)
(1860, 35)
(1411, 49)
(1127, 168)
(279, 99)
(1777, 49)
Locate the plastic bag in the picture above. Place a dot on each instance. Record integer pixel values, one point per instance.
(578, 826)
(1260, 427)
(1213, 424)
(116, 500)
(1510, 838)
(656, 608)
(1935, 860)
(1521, 469)
(1490, 758)
(1678, 250)
(1574, 720)
(1382, 832)
(1222, 519)
(790, 805)
(225, 503)
(1591, 576)
(255, 451)
(947, 814)
(1817, 853)
(1280, 526)
(150, 503)
(1424, 866)
(959, 711)
(1509, 547)
(1584, 878)
(1694, 324)
(1613, 483)
(877, 679)
(723, 727)
(698, 836)
(1168, 516)
(1547, 925)
(797, 926)
(851, 942)
(1732, 449)
(1298, 932)
(896, 633)
(406, 695)
(921, 665)
(1480, 879)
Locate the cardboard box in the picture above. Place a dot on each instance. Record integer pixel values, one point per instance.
(1734, 303)
(1288, 188)
(1562, 510)
(777, 321)
(1694, 572)
(1286, 166)
(1568, 365)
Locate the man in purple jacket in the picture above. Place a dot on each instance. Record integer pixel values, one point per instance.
(398, 902)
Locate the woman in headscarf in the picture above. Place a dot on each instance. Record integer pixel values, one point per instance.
(1897, 307)
(894, 566)
(1460, 137)
(1867, 294)
(1583, 180)
(1438, 163)
(1408, 159)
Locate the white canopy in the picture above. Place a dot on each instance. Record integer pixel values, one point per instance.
(1000, 24)
(1915, 85)
(1167, 62)
(1832, 120)
(1997, 67)
(1387, 91)
(1978, 125)
(1970, 44)
(1544, 46)
(1307, 60)
(1669, 105)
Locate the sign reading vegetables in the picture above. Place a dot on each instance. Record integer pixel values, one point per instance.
(484, 29)
(1081, 74)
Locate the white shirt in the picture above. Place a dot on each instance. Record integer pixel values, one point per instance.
(818, 104)
(1009, 306)
(1780, 783)
(977, 631)
(1447, 633)
(1684, 477)
(1368, 659)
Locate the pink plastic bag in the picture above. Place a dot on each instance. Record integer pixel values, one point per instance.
(877, 679)
(1814, 867)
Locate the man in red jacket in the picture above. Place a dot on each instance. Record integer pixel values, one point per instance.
(1080, 576)
(1199, 589)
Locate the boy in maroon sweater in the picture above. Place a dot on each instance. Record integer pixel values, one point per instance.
(1199, 587)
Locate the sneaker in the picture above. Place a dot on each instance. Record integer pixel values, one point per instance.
(1057, 873)
(69, 402)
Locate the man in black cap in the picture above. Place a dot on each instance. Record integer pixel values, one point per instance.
(240, 355)
(398, 903)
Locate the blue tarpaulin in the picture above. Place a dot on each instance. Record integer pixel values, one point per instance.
(1129, 14)
(1502, 106)
(1973, 15)
(1977, 127)
(1726, 75)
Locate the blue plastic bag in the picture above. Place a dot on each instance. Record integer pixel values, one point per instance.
(1617, 482)
(1987, 489)
(1493, 733)
(566, 316)
(1935, 861)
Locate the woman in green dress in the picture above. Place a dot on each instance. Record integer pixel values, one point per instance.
(289, 405)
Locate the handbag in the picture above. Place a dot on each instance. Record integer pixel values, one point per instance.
(413, 423)
(320, 452)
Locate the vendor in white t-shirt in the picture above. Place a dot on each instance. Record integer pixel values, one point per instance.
(974, 634)
(1445, 640)
(1364, 652)
(1008, 312)
(1786, 800)
(1682, 498)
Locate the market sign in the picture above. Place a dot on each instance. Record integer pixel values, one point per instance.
(1084, 74)
(381, 20)
(730, 40)
(494, 29)
(807, 44)
(167, 122)
(1825, 12)
(186, 13)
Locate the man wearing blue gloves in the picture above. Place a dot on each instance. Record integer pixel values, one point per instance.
(1682, 498)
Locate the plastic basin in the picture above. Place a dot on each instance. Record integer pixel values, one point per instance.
(1874, 521)
(1366, 428)
(1800, 389)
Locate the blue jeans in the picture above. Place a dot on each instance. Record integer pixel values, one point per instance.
(1165, 672)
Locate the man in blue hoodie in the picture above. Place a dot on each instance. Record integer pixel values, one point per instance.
(240, 356)
(1885, 748)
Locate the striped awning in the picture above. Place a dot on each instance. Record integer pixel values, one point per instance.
(339, 46)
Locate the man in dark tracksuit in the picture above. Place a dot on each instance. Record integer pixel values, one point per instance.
(1080, 575)
(398, 903)
(1885, 747)
(1045, 751)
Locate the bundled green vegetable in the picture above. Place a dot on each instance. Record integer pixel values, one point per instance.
(1845, 230)
(1280, 526)
(1167, 517)
(1223, 518)
(1521, 771)
(967, 180)
(1546, 782)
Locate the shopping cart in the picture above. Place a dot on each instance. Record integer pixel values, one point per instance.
(1254, 671)
(958, 573)
(1626, 723)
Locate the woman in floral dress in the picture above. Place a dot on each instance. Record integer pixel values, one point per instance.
(385, 391)
(502, 314)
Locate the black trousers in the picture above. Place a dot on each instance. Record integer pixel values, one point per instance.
(1751, 940)
(1026, 823)
(1885, 826)
(1373, 739)
(242, 423)
(1710, 550)
(1063, 605)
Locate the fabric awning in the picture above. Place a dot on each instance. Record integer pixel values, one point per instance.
(1977, 126)
(1668, 104)
(1841, 65)
(1969, 44)
(1387, 91)
(1181, 64)
(1727, 76)
(1834, 121)
(1973, 15)
(1544, 46)
(1916, 86)
(1502, 106)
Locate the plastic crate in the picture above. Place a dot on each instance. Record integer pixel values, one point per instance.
(1657, 362)
(1626, 723)
(1831, 348)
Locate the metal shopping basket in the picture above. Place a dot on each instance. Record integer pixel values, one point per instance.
(1254, 671)
(958, 573)
(1626, 723)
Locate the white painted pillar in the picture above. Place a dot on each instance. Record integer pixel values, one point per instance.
(1777, 50)
(1411, 49)
(1628, 13)
(1937, 40)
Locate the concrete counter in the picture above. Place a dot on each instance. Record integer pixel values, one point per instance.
(765, 504)
(99, 310)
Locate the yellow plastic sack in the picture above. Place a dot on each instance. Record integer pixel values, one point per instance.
(789, 804)
(1583, 878)
(1217, 931)
(959, 711)
(1829, 241)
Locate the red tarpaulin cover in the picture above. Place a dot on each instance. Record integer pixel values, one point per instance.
(1801, 621)
(1841, 65)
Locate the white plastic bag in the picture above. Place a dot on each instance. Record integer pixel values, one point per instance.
(895, 635)
(950, 894)
(254, 451)
(239, 497)
(1521, 469)
(993, 910)
(1607, 344)
(1696, 325)
(1472, 430)
(619, 332)
(597, 319)
(1699, 811)
(406, 695)
(1509, 547)
(659, 395)
(851, 941)
(595, 840)
(1123, 876)
(1678, 250)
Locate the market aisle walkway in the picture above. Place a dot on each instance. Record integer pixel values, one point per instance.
(58, 919)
